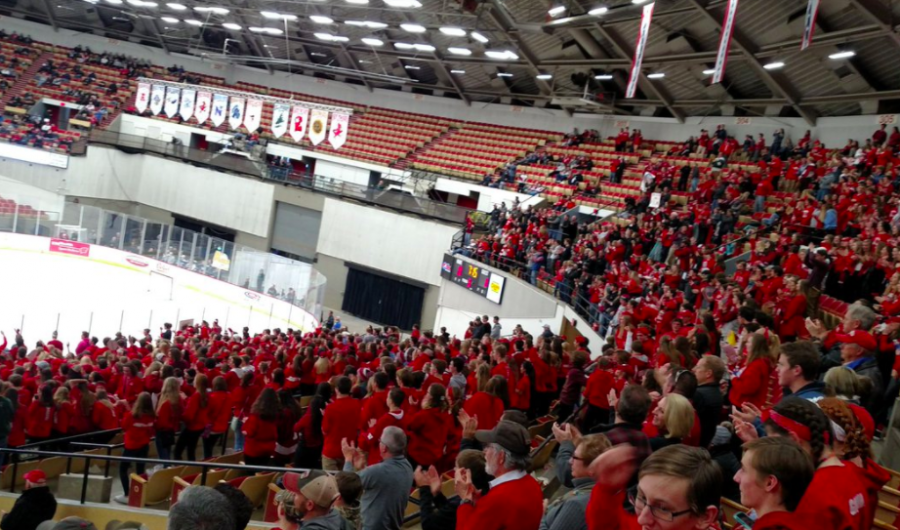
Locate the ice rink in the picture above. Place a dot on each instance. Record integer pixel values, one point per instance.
(42, 291)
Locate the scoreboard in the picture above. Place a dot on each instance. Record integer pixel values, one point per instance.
(473, 277)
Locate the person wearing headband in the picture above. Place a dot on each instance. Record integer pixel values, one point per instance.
(836, 491)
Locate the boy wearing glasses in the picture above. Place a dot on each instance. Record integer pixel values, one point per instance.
(678, 489)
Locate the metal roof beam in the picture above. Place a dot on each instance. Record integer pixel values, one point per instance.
(647, 85)
(878, 13)
(49, 10)
(776, 81)
(503, 19)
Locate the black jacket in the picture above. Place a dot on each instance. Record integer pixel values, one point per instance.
(708, 404)
(33, 507)
(438, 512)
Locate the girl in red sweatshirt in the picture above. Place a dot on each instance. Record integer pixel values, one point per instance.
(62, 414)
(489, 405)
(196, 419)
(309, 429)
(429, 428)
(751, 385)
(138, 426)
(219, 415)
(168, 416)
(39, 422)
(261, 429)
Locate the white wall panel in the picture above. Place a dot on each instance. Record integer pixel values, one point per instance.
(354, 175)
(398, 244)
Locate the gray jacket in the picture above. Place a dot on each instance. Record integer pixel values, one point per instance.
(330, 521)
(568, 512)
(385, 493)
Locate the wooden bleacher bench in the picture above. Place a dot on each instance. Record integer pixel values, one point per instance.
(213, 477)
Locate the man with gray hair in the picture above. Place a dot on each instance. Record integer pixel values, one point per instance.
(201, 508)
(385, 485)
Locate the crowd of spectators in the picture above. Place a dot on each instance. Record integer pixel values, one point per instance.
(35, 132)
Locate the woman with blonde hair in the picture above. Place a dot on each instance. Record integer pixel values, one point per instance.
(196, 418)
(847, 385)
(674, 417)
(322, 368)
(168, 416)
(62, 414)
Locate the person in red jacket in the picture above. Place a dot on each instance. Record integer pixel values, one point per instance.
(793, 314)
(288, 415)
(196, 419)
(104, 417)
(168, 416)
(261, 429)
(341, 420)
(39, 423)
(138, 425)
(309, 428)
(596, 391)
(376, 405)
(370, 437)
(751, 385)
(429, 429)
(62, 415)
(515, 499)
(488, 405)
(219, 415)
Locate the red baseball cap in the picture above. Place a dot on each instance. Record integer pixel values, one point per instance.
(36, 477)
(863, 339)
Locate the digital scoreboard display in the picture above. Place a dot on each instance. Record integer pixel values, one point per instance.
(473, 277)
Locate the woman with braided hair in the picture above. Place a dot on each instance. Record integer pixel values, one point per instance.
(852, 445)
(836, 490)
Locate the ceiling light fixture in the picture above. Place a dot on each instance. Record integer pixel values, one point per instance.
(774, 65)
(231, 25)
(504, 74)
(413, 28)
(603, 77)
(846, 54)
(214, 10)
(460, 51)
(193, 22)
(503, 55)
(170, 20)
(709, 71)
(114, 2)
(479, 37)
(176, 7)
(453, 32)
(321, 19)
(372, 41)
(460, 72)
(267, 31)
(657, 75)
(544, 77)
(366, 24)
(359, 2)
(411, 67)
(403, 3)
(424, 47)
(556, 10)
(597, 11)
(404, 46)
(638, 2)
(274, 15)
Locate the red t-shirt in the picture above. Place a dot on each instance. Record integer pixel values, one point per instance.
(838, 493)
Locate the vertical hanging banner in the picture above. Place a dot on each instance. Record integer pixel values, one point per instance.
(142, 97)
(201, 107)
(172, 97)
(281, 115)
(187, 103)
(157, 97)
(725, 41)
(219, 109)
(236, 112)
(337, 135)
(643, 32)
(317, 126)
(809, 25)
(299, 119)
(253, 116)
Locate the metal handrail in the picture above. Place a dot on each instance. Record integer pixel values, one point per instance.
(92, 434)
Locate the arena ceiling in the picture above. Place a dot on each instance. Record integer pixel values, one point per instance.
(515, 52)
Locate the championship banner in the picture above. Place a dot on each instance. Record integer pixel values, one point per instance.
(299, 119)
(157, 96)
(337, 135)
(236, 112)
(172, 96)
(187, 103)
(253, 116)
(281, 115)
(317, 126)
(725, 41)
(142, 97)
(219, 109)
(201, 107)
(639, 48)
(809, 26)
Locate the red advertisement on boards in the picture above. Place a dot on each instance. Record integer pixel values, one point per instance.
(64, 246)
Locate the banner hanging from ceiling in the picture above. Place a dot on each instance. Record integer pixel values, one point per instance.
(281, 115)
(219, 109)
(253, 115)
(809, 25)
(337, 135)
(142, 97)
(187, 103)
(317, 125)
(172, 96)
(643, 32)
(157, 97)
(299, 120)
(236, 112)
(725, 41)
(201, 107)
